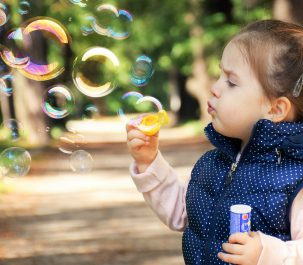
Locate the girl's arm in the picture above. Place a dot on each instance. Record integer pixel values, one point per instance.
(163, 192)
(278, 252)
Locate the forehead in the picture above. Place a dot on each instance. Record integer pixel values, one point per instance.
(234, 56)
(235, 59)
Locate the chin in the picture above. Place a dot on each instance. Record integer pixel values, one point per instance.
(220, 129)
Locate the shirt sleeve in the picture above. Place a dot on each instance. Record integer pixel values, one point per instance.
(163, 192)
(278, 252)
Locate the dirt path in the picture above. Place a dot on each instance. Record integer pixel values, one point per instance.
(54, 216)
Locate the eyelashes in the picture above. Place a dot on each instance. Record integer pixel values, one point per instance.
(230, 84)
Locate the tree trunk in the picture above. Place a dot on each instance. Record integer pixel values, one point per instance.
(198, 85)
(28, 96)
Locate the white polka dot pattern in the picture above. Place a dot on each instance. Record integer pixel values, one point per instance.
(268, 177)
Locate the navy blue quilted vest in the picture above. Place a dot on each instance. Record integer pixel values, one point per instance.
(268, 177)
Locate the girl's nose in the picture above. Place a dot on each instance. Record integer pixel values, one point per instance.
(215, 89)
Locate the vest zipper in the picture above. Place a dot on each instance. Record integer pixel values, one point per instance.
(230, 173)
(228, 180)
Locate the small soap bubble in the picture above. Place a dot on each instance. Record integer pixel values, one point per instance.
(95, 72)
(6, 87)
(78, 2)
(58, 102)
(70, 141)
(11, 130)
(119, 29)
(15, 162)
(86, 28)
(81, 161)
(24, 7)
(141, 71)
(90, 112)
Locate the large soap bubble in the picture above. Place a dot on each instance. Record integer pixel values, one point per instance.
(14, 162)
(45, 71)
(94, 72)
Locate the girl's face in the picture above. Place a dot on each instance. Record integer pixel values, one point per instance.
(237, 100)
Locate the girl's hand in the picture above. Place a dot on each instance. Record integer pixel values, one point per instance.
(242, 249)
(143, 148)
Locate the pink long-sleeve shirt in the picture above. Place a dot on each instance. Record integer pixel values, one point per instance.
(165, 194)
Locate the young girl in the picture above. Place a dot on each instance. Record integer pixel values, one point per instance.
(256, 107)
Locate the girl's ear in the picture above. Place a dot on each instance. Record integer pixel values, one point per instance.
(281, 110)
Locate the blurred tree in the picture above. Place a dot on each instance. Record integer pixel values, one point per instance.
(185, 39)
(288, 10)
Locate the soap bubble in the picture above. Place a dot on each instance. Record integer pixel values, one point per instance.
(15, 162)
(24, 7)
(78, 2)
(6, 87)
(90, 111)
(58, 102)
(94, 72)
(143, 112)
(70, 142)
(81, 161)
(112, 22)
(119, 30)
(3, 14)
(13, 51)
(127, 109)
(11, 130)
(42, 71)
(141, 71)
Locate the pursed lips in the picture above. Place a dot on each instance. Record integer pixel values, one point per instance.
(210, 108)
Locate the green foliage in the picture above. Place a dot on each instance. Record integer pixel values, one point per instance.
(164, 30)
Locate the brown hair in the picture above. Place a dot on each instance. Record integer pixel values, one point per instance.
(274, 50)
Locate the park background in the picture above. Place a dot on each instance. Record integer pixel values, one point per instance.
(54, 215)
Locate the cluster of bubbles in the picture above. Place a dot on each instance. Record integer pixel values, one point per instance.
(94, 74)
(115, 23)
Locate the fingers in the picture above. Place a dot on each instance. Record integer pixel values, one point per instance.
(239, 238)
(136, 143)
(233, 259)
(233, 248)
(129, 127)
(134, 133)
(136, 139)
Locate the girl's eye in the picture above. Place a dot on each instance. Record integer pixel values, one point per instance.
(230, 84)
